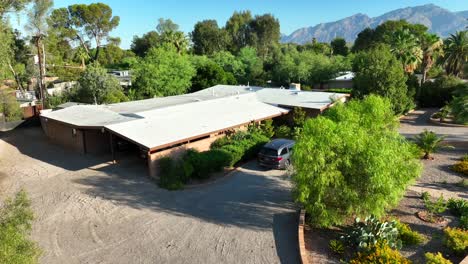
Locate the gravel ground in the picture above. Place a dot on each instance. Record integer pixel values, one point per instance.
(89, 211)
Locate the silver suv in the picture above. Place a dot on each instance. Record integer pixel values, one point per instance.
(276, 154)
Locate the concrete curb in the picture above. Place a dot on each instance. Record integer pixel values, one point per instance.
(301, 240)
(465, 260)
(409, 112)
(437, 122)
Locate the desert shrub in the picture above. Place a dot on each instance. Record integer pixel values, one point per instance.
(407, 236)
(10, 109)
(439, 92)
(207, 162)
(172, 174)
(436, 258)
(459, 104)
(283, 131)
(380, 253)
(464, 222)
(458, 207)
(370, 232)
(336, 246)
(15, 225)
(429, 142)
(461, 167)
(436, 207)
(352, 161)
(220, 142)
(456, 239)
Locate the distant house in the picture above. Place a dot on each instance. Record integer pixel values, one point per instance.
(344, 80)
(124, 77)
(167, 126)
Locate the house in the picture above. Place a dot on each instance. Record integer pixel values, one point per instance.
(344, 80)
(168, 126)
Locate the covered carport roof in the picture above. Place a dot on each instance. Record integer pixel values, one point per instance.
(164, 127)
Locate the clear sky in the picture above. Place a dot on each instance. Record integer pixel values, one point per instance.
(140, 16)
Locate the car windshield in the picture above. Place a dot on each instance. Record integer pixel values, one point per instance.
(269, 152)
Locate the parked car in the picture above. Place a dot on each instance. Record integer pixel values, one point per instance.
(276, 154)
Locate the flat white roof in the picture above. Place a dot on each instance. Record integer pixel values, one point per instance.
(345, 76)
(168, 126)
(160, 121)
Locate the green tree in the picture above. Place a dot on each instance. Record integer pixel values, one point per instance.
(15, 225)
(96, 86)
(253, 67)
(37, 26)
(208, 38)
(169, 34)
(459, 105)
(76, 22)
(364, 40)
(163, 72)
(9, 106)
(7, 6)
(456, 52)
(264, 34)
(432, 47)
(230, 63)
(352, 162)
(405, 47)
(209, 74)
(377, 71)
(339, 46)
(238, 28)
(141, 45)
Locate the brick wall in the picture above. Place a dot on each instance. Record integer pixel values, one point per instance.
(63, 134)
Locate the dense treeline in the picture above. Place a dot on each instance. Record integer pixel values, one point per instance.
(246, 50)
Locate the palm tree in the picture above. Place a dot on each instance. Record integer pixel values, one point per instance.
(37, 26)
(429, 142)
(456, 52)
(432, 47)
(405, 46)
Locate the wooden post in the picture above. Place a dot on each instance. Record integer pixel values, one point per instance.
(111, 138)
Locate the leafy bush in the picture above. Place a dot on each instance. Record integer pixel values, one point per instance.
(407, 236)
(461, 167)
(429, 142)
(15, 224)
(372, 231)
(283, 131)
(380, 253)
(172, 174)
(336, 246)
(459, 105)
(241, 145)
(207, 162)
(456, 239)
(9, 106)
(436, 258)
(352, 161)
(439, 92)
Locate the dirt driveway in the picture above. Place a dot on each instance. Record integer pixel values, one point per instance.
(88, 211)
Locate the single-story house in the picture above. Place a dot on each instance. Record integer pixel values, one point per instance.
(344, 80)
(167, 126)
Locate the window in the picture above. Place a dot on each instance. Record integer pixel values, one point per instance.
(284, 151)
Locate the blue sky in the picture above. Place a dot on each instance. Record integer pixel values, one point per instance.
(140, 16)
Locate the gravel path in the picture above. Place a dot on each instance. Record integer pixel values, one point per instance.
(88, 211)
(415, 123)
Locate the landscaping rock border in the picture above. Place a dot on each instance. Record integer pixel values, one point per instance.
(436, 121)
(301, 240)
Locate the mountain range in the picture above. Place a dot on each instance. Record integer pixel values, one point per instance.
(437, 19)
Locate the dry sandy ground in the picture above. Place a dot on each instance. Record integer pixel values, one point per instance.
(88, 211)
